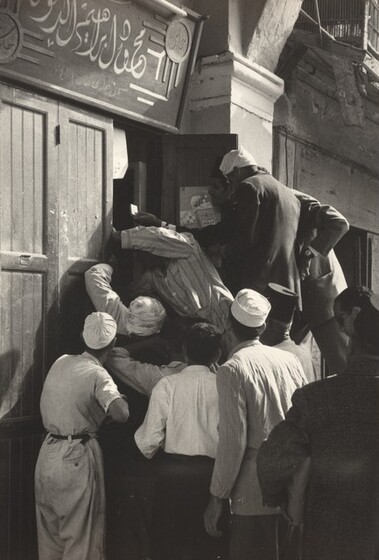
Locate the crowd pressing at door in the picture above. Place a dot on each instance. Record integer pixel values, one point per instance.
(247, 453)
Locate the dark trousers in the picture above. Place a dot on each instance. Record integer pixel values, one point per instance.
(181, 496)
(254, 537)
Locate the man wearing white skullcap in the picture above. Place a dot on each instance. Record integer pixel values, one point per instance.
(144, 316)
(176, 268)
(236, 158)
(287, 237)
(262, 248)
(254, 386)
(77, 396)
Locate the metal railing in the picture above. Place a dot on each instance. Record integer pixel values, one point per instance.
(355, 22)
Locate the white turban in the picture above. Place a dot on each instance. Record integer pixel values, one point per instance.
(236, 158)
(99, 330)
(250, 308)
(146, 316)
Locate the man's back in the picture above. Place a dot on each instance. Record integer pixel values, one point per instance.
(76, 393)
(190, 283)
(267, 217)
(255, 387)
(335, 421)
(183, 412)
(269, 377)
(304, 356)
(342, 507)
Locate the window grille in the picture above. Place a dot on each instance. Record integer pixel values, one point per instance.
(355, 22)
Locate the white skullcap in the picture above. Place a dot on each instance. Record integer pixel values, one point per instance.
(99, 330)
(236, 158)
(250, 308)
(146, 316)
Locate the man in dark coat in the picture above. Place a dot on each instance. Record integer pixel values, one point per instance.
(287, 237)
(335, 422)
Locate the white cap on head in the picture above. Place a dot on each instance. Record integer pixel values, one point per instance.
(146, 316)
(236, 158)
(250, 308)
(99, 330)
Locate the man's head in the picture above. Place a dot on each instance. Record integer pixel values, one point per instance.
(366, 326)
(220, 190)
(202, 345)
(99, 333)
(279, 321)
(248, 314)
(146, 316)
(237, 165)
(348, 304)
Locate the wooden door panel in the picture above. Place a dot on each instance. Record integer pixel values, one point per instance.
(28, 302)
(23, 327)
(22, 209)
(86, 190)
(85, 200)
(27, 257)
(188, 160)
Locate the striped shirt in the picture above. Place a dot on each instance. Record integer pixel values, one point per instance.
(190, 285)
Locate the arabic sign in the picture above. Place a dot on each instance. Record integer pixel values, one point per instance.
(118, 55)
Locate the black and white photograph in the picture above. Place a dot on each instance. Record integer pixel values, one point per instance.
(189, 279)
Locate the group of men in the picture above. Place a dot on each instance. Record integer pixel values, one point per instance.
(228, 432)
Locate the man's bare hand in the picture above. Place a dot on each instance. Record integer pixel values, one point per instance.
(116, 235)
(305, 267)
(146, 219)
(212, 515)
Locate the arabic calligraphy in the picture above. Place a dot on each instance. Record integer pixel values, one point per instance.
(95, 33)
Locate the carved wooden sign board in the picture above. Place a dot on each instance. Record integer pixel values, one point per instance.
(131, 58)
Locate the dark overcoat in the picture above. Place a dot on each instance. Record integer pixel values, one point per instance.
(336, 422)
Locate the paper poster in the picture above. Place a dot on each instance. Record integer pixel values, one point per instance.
(196, 209)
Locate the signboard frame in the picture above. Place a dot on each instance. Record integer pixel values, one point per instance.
(35, 56)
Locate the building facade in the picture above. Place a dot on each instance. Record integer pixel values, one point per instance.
(183, 85)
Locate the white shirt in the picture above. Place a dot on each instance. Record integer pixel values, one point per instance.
(183, 415)
(76, 395)
(255, 387)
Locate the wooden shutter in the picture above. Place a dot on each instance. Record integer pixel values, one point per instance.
(55, 219)
(85, 199)
(28, 307)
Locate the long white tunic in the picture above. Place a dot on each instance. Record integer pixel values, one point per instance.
(69, 478)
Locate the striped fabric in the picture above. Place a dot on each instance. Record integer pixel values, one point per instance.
(190, 285)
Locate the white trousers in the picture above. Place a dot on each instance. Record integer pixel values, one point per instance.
(70, 500)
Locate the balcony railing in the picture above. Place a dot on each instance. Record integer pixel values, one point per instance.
(355, 22)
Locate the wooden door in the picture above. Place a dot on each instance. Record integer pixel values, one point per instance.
(85, 200)
(55, 209)
(28, 308)
(188, 161)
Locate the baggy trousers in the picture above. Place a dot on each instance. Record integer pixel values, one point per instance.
(70, 500)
